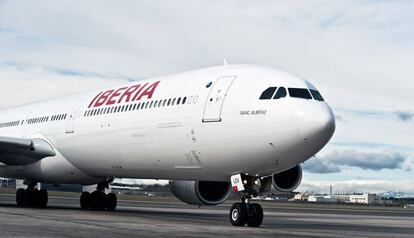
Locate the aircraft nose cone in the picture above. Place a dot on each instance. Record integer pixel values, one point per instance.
(317, 124)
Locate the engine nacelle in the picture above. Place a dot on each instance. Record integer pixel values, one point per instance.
(201, 192)
(288, 180)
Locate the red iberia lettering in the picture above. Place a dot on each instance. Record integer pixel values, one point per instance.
(102, 99)
(90, 104)
(128, 93)
(149, 91)
(112, 99)
(124, 94)
(138, 92)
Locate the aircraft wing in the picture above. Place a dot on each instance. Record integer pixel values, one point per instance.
(23, 151)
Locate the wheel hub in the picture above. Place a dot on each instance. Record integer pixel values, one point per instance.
(235, 214)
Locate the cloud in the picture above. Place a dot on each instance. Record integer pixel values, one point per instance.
(351, 45)
(319, 166)
(379, 115)
(339, 118)
(358, 186)
(20, 85)
(366, 160)
(409, 163)
(372, 145)
(336, 161)
(379, 129)
(404, 116)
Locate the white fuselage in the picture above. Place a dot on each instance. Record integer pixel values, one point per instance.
(222, 128)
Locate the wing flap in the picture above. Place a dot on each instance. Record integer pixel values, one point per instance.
(23, 151)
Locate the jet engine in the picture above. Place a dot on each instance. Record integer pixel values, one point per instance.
(287, 180)
(201, 192)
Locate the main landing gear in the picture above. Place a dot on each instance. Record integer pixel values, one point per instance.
(31, 196)
(98, 200)
(245, 212)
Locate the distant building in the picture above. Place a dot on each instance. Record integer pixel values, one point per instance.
(366, 198)
(62, 187)
(19, 183)
(319, 198)
(7, 183)
(51, 187)
(300, 197)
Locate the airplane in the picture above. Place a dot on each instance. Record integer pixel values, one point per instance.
(210, 132)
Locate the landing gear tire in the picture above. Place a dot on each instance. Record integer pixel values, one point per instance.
(242, 213)
(238, 214)
(85, 200)
(20, 197)
(255, 216)
(43, 198)
(31, 197)
(111, 202)
(97, 201)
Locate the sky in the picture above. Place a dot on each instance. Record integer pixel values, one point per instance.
(359, 54)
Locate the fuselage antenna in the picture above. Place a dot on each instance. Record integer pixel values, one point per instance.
(225, 61)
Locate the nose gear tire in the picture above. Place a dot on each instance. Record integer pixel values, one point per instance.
(238, 214)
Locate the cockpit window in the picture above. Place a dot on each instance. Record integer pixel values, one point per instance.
(316, 95)
(299, 93)
(268, 93)
(281, 93)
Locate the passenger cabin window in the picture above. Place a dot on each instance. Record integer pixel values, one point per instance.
(316, 95)
(268, 93)
(299, 93)
(281, 93)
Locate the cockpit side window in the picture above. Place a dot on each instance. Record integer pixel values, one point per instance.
(268, 93)
(281, 93)
(316, 95)
(299, 93)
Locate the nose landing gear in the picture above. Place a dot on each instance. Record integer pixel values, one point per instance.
(245, 212)
(98, 200)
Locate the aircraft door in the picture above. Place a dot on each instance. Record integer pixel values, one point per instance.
(71, 119)
(215, 99)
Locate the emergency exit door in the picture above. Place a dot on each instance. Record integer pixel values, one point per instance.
(216, 97)
(71, 119)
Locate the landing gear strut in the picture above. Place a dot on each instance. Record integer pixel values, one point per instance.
(245, 212)
(98, 200)
(31, 196)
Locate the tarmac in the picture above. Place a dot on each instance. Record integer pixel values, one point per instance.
(63, 218)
